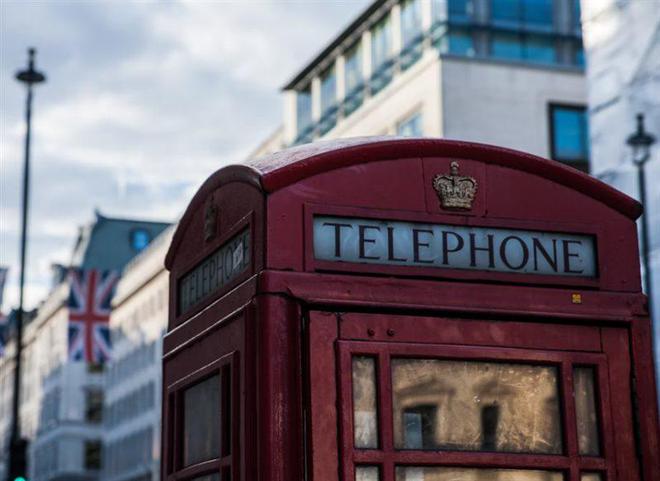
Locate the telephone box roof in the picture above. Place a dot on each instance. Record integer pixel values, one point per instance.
(281, 169)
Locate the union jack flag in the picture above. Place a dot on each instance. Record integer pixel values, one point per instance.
(89, 313)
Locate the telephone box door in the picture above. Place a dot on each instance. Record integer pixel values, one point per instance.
(445, 399)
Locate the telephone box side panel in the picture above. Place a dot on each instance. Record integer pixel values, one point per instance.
(278, 379)
(222, 246)
(219, 356)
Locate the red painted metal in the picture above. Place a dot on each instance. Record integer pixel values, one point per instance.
(290, 322)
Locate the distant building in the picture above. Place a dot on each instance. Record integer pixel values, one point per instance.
(61, 404)
(622, 41)
(131, 420)
(505, 72)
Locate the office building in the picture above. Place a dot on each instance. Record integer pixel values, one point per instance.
(505, 72)
(61, 403)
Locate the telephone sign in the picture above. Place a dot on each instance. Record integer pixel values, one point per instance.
(390, 242)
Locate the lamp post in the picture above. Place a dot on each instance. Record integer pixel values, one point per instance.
(18, 446)
(641, 142)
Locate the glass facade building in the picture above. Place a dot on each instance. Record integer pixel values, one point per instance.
(395, 35)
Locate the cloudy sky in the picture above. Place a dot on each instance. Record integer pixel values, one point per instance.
(143, 101)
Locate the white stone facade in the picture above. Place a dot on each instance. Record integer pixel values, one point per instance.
(622, 44)
(132, 413)
(53, 403)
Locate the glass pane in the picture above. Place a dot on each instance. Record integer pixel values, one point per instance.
(460, 43)
(208, 477)
(304, 108)
(380, 43)
(540, 50)
(590, 477)
(367, 473)
(505, 11)
(411, 21)
(459, 10)
(201, 421)
(538, 13)
(328, 89)
(586, 411)
(411, 127)
(365, 412)
(506, 46)
(475, 406)
(353, 68)
(570, 133)
(472, 474)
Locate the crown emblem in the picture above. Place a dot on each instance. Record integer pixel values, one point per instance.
(210, 220)
(455, 191)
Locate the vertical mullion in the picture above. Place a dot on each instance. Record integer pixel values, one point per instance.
(384, 377)
(346, 420)
(604, 420)
(569, 420)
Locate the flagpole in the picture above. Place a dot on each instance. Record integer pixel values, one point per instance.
(18, 446)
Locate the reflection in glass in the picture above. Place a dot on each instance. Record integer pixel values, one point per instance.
(472, 474)
(419, 427)
(590, 477)
(475, 406)
(367, 473)
(201, 421)
(585, 411)
(365, 412)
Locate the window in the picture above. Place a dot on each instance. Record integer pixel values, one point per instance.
(440, 412)
(538, 14)
(459, 42)
(205, 426)
(577, 14)
(540, 49)
(381, 62)
(518, 408)
(506, 46)
(140, 239)
(411, 32)
(460, 10)
(353, 79)
(328, 89)
(505, 12)
(411, 21)
(411, 127)
(328, 101)
(569, 136)
(93, 455)
(94, 406)
(201, 421)
(304, 108)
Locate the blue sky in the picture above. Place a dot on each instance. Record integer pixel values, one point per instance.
(143, 101)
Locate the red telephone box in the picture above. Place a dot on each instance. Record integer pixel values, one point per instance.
(407, 310)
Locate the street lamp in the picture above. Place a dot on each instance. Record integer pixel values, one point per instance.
(641, 142)
(18, 446)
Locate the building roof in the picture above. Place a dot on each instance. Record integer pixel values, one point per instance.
(105, 243)
(336, 42)
(281, 169)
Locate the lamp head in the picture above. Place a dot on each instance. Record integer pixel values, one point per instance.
(640, 142)
(30, 76)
